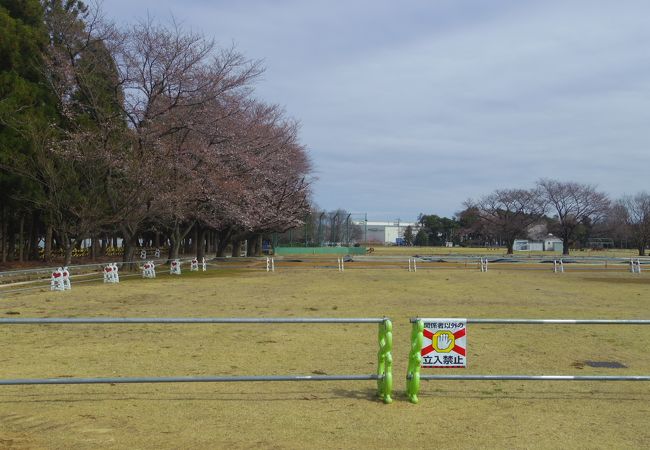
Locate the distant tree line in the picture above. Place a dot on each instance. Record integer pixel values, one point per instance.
(574, 212)
(145, 134)
(323, 228)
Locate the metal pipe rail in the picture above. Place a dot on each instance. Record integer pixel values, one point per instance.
(205, 379)
(413, 376)
(538, 377)
(558, 321)
(383, 376)
(168, 320)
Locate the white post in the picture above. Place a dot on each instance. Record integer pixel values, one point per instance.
(409, 264)
(56, 282)
(272, 264)
(268, 264)
(66, 279)
(415, 265)
(116, 273)
(203, 264)
(175, 267)
(342, 265)
(561, 266)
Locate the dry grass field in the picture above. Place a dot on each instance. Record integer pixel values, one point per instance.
(489, 414)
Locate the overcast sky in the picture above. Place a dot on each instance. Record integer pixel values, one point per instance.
(414, 106)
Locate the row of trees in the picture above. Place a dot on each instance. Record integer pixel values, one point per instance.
(126, 132)
(574, 212)
(322, 227)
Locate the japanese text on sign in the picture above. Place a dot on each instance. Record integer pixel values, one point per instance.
(444, 343)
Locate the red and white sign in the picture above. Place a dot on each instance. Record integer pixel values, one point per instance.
(444, 343)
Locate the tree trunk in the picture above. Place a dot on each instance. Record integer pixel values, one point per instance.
(565, 248)
(176, 238)
(32, 238)
(174, 248)
(642, 249)
(236, 248)
(129, 244)
(258, 245)
(194, 248)
(67, 246)
(223, 239)
(21, 238)
(200, 241)
(4, 245)
(95, 248)
(510, 244)
(48, 243)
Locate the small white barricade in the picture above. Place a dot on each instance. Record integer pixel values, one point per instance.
(175, 267)
(635, 266)
(203, 264)
(270, 264)
(56, 282)
(156, 253)
(341, 264)
(483, 264)
(194, 265)
(558, 266)
(66, 279)
(143, 254)
(149, 270)
(111, 274)
(413, 266)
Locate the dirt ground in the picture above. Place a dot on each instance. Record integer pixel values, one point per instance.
(488, 414)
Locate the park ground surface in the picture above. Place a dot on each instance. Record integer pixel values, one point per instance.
(487, 414)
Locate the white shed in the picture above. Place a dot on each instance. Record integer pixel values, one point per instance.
(553, 244)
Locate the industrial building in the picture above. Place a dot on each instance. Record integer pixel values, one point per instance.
(549, 244)
(384, 233)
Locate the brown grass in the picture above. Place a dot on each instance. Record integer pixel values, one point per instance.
(329, 414)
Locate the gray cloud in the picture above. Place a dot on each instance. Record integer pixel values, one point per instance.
(413, 107)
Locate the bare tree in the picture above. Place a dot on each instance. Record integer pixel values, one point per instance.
(637, 218)
(509, 212)
(573, 204)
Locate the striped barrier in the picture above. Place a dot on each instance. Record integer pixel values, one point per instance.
(413, 376)
(384, 376)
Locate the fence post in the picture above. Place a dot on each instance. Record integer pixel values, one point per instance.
(385, 361)
(415, 360)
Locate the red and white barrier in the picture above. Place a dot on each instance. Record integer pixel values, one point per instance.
(175, 267)
(60, 280)
(56, 282)
(111, 274)
(149, 270)
(194, 265)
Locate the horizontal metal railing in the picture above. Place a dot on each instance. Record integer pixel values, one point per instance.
(383, 376)
(413, 375)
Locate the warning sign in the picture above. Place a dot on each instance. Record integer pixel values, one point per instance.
(444, 343)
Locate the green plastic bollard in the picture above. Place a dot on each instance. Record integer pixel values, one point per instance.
(415, 360)
(385, 361)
